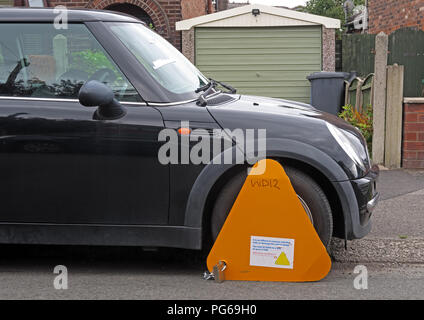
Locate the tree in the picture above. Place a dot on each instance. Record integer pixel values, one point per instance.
(329, 8)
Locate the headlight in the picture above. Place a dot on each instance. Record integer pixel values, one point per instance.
(347, 145)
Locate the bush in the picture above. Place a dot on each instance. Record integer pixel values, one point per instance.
(361, 120)
(90, 61)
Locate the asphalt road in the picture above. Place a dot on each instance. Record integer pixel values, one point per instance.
(393, 254)
(157, 279)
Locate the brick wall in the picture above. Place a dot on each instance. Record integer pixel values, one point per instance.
(164, 13)
(413, 135)
(390, 15)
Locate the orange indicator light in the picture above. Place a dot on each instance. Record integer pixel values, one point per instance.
(184, 131)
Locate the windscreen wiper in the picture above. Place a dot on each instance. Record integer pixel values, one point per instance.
(202, 101)
(226, 86)
(207, 86)
(214, 83)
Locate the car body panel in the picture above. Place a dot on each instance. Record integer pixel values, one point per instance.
(287, 149)
(61, 166)
(289, 120)
(101, 235)
(183, 176)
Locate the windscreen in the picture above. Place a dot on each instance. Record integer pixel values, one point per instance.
(163, 61)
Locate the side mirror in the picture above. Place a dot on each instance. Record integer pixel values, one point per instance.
(96, 94)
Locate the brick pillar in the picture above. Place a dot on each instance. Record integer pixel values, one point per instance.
(413, 134)
(188, 44)
(328, 49)
(18, 3)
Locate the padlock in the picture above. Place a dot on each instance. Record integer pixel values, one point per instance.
(219, 271)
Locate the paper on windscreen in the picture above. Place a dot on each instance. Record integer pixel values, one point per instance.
(162, 62)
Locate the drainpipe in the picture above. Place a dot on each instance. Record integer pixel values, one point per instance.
(210, 6)
(365, 24)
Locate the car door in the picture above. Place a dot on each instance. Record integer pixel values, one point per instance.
(58, 164)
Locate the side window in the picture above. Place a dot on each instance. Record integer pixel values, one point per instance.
(36, 60)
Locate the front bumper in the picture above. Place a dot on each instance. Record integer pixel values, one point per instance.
(358, 199)
(373, 203)
(366, 194)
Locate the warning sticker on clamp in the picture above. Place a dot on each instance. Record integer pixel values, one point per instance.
(271, 252)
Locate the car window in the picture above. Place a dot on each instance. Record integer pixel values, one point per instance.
(168, 66)
(40, 61)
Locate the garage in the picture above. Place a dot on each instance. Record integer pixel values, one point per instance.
(261, 50)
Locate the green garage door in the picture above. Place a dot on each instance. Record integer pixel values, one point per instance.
(269, 61)
(6, 3)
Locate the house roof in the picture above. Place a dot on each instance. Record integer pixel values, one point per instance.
(269, 16)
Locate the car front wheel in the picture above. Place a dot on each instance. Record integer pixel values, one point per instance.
(310, 194)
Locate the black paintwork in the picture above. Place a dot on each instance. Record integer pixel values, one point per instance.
(365, 189)
(61, 166)
(69, 178)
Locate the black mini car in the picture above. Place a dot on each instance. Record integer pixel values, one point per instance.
(82, 108)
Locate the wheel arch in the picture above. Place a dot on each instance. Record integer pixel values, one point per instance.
(328, 188)
(288, 152)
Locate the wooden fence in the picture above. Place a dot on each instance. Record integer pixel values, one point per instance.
(339, 57)
(358, 53)
(406, 47)
(360, 92)
(385, 89)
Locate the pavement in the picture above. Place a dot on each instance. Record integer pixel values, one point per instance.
(393, 254)
(401, 211)
(397, 234)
